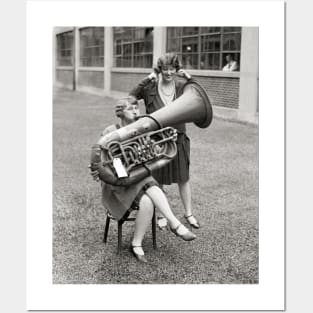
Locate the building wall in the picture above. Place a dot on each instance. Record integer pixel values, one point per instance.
(91, 78)
(125, 81)
(233, 94)
(64, 77)
(222, 91)
(249, 81)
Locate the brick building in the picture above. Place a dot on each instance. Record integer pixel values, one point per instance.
(108, 60)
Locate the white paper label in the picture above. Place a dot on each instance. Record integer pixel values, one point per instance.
(119, 167)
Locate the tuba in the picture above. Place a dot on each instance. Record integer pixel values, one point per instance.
(150, 142)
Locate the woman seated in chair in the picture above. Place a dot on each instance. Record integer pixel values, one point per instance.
(145, 194)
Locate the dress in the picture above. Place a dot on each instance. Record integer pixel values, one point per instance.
(177, 171)
(119, 200)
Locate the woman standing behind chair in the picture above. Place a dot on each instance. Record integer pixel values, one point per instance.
(157, 90)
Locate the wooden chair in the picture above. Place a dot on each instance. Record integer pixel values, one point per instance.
(120, 223)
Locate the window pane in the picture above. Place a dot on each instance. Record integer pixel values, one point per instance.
(148, 46)
(118, 34)
(126, 62)
(190, 61)
(190, 44)
(92, 46)
(210, 43)
(128, 34)
(206, 30)
(231, 29)
(174, 45)
(125, 34)
(127, 50)
(147, 60)
(134, 45)
(139, 34)
(148, 40)
(231, 42)
(65, 49)
(138, 47)
(138, 61)
(210, 61)
(142, 33)
(118, 62)
(118, 49)
(190, 30)
(173, 32)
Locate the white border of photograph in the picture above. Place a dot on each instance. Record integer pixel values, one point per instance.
(42, 294)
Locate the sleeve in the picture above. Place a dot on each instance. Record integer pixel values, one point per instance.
(138, 91)
(225, 68)
(108, 130)
(234, 66)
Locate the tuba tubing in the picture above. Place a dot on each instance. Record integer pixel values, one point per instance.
(192, 106)
(139, 155)
(108, 176)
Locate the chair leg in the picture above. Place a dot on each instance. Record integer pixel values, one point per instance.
(119, 236)
(120, 231)
(154, 230)
(106, 230)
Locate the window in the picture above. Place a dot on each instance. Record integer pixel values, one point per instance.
(92, 46)
(204, 47)
(133, 46)
(65, 49)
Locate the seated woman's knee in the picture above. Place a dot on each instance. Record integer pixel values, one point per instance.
(145, 203)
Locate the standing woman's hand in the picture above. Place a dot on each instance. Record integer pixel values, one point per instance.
(153, 75)
(184, 73)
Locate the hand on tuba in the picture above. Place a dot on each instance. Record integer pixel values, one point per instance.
(94, 173)
(184, 73)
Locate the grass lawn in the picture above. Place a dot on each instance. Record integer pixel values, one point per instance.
(224, 180)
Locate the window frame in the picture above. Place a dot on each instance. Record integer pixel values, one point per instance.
(220, 31)
(92, 59)
(68, 47)
(131, 41)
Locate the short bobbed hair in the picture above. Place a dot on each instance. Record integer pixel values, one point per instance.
(122, 105)
(168, 59)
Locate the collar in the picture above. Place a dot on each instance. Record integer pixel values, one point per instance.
(153, 89)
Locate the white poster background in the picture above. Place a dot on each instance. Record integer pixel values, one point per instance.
(41, 18)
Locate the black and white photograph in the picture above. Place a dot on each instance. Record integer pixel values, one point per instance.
(163, 149)
(169, 128)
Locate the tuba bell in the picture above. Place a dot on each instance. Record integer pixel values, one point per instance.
(150, 142)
